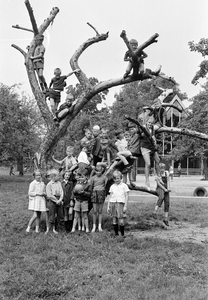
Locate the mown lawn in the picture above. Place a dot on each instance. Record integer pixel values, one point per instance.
(97, 266)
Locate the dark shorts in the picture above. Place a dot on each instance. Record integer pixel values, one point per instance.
(56, 96)
(38, 65)
(98, 196)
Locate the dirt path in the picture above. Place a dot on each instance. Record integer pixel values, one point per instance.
(177, 231)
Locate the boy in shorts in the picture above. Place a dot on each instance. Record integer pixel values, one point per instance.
(38, 61)
(56, 86)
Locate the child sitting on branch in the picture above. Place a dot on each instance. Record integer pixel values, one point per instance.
(65, 108)
(58, 84)
(138, 66)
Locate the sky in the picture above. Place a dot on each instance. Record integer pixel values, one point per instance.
(176, 21)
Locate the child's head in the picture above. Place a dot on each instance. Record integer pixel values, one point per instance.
(104, 133)
(96, 130)
(127, 135)
(99, 170)
(57, 72)
(54, 175)
(117, 177)
(39, 39)
(119, 134)
(88, 133)
(67, 175)
(69, 98)
(37, 175)
(156, 103)
(104, 144)
(162, 167)
(84, 147)
(132, 128)
(133, 43)
(69, 151)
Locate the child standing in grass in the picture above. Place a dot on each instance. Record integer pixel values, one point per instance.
(117, 201)
(98, 196)
(81, 195)
(37, 201)
(163, 190)
(55, 195)
(68, 185)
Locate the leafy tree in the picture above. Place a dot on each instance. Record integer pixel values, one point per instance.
(20, 127)
(197, 119)
(202, 48)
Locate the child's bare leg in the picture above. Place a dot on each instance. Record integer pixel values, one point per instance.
(141, 68)
(47, 222)
(34, 216)
(42, 80)
(128, 69)
(52, 104)
(100, 210)
(157, 160)
(146, 157)
(82, 226)
(94, 216)
(122, 155)
(86, 222)
(37, 222)
(76, 218)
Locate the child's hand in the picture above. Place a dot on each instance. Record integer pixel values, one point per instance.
(124, 209)
(71, 203)
(108, 210)
(80, 192)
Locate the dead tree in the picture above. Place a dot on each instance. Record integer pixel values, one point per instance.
(54, 133)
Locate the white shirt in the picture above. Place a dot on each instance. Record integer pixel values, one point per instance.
(118, 192)
(82, 158)
(121, 144)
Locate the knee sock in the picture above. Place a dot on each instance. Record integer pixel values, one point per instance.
(122, 230)
(115, 227)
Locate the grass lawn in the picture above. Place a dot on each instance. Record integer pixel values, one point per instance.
(98, 266)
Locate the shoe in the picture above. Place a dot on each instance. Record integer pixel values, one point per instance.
(126, 169)
(28, 229)
(37, 230)
(125, 75)
(166, 222)
(154, 215)
(100, 229)
(87, 230)
(73, 230)
(79, 228)
(47, 231)
(54, 231)
(93, 229)
(83, 229)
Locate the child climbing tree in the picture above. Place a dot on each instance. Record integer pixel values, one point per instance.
(38, 86)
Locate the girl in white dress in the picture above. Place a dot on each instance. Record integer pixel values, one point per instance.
(37, 201)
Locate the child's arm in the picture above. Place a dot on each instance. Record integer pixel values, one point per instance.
(108, 205)
(144, 55)
(127, 57)
(161, 185)
(60, 162)
(168, 181)
(126, 201)
(31, 191)
(39, 55)
(75, 71)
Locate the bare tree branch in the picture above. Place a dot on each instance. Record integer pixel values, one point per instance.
(19, 49)
(93, 28)
(49, 20)
(22, 28)
(32, 18)
(184, 131)
(81, 76)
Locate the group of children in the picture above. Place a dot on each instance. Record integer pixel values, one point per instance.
(87, 181)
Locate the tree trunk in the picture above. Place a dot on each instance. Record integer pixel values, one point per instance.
(205, 169)
(20, 166)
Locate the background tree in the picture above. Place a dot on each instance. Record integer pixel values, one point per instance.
(197, 119)
(20, 127)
